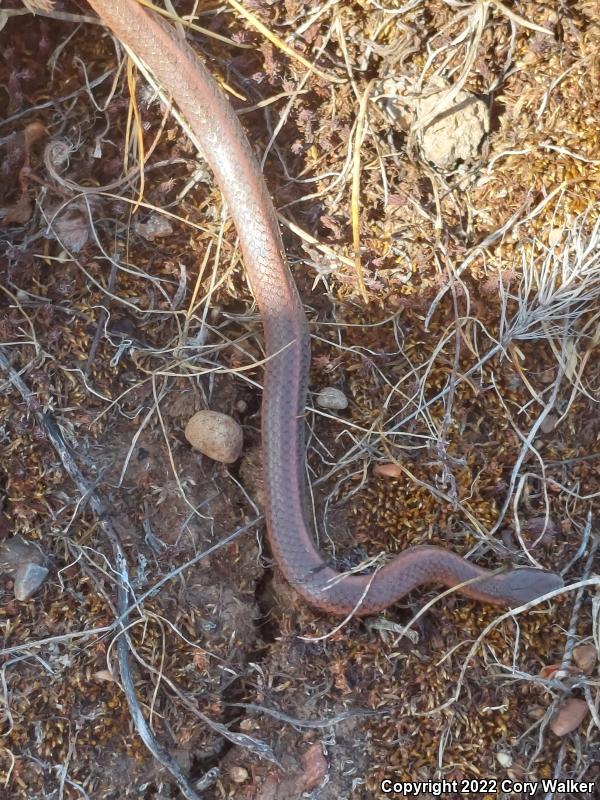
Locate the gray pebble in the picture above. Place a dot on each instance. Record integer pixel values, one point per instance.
(333, 398)
(28, 579)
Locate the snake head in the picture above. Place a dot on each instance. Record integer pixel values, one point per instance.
(526, 584)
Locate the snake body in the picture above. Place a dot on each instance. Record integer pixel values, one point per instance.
(287, 346)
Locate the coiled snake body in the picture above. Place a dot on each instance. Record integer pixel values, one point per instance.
(287, 345)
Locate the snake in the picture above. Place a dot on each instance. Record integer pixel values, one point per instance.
(229, 154)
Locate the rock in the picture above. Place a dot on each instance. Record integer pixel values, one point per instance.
(388, 470)
(457, 129)
(314, 766)
(216, 435)
(105, 675)
(504, 759)
(555, 236)
(28, 579)
(156, 227)
(569, 716)
(238, 774)
(549, 423)
(332, 398)
(447, 130)
(586, 657)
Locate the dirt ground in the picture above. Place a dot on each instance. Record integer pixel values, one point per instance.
(465, 340)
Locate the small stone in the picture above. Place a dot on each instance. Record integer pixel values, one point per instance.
(456, 132)
(314, 766)
(156, 227)
(549, 423)
(555, 236)
(388, 470)
(332, 398)
(238, 774)
(586, 657)
(105, 675)
(569, 716)
(28, 579)
(216, 435)
(504, 759)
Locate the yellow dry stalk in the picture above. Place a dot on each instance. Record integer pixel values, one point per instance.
(133, 113)
(358, 140)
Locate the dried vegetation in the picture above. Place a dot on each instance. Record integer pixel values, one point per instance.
(471, 370)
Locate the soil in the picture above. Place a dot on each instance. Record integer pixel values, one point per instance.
(119, 329)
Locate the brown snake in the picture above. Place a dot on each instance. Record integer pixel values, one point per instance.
(287, 345)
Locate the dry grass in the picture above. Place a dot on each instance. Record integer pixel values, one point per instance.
(457, 309)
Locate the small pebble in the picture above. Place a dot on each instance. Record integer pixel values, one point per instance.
(105, 675)
(333, 398)
(314, 766)
(216, 435)
(569, 716)
(238, 774)
(388, 470)
(586, 657)
(555, 236)
(156, 227)
(28, 579)
(549, 423)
